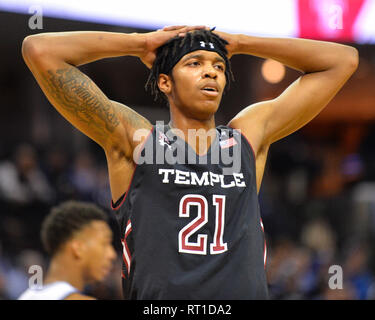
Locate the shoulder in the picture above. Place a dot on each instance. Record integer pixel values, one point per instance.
(130, 119)
(252, 122)
(132, 125)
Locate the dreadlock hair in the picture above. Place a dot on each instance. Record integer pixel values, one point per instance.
(170, 50)
(65, 220)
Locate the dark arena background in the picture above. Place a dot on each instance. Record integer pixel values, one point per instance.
(318, 194)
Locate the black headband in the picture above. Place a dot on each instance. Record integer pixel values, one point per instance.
(190, 47)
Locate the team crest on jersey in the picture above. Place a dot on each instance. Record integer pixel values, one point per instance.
(163, 140)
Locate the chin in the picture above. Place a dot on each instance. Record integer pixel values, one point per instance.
(208, 109)
(202, 107)
(99, 276)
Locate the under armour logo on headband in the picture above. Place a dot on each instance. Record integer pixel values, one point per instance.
(188, 47)
(203, 44)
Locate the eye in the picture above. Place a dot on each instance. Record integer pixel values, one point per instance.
(193, 63)
(220, 67)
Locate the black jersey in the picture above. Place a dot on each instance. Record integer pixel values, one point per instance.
(192, 229)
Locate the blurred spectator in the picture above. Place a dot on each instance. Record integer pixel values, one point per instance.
(356, 270)
(16, 276)
(22, 181)
(346, 293)
(102, 192)
(3, 284)
(319, 237)
(56, 165)
(83, 175)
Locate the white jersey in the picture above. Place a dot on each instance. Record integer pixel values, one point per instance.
(58, 290)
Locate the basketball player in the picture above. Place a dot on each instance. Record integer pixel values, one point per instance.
(79, 241)
(189, 229)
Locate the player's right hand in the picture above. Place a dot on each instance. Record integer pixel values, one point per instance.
(153, 40)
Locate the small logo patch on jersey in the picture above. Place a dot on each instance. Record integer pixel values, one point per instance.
(228, 143)
(163, 140)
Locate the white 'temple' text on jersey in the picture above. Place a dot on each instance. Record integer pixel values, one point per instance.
(206, 178)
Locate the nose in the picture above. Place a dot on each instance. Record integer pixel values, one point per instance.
(209, 72)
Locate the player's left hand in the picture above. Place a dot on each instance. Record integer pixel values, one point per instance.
(232, 40)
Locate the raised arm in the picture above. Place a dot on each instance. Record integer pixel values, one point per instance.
(326, 67)
(53, 59)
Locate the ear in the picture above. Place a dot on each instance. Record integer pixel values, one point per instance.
(77, 248)
(165, 83)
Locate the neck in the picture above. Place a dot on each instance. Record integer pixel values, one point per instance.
(185, 124)
(184, 120)
(199, 134)
(61, 269)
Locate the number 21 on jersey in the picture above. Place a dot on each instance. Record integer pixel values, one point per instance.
(200, 245)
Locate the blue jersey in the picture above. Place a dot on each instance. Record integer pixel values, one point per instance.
(191, 228)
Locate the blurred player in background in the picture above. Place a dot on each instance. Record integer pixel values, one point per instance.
(190, 230)
(79, 241)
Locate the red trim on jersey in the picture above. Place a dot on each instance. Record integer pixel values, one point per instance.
(125, 247)
(129, 256)
(126, 255)
(265, 253)
(120, 204)
(265, 244)
(131, 180)
(128, 230)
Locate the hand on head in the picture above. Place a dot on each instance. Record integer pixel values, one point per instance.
(155, 39)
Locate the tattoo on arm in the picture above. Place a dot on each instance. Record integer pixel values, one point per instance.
(78, 95)
(133, 119)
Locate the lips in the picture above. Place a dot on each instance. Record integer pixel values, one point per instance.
(210, 89)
